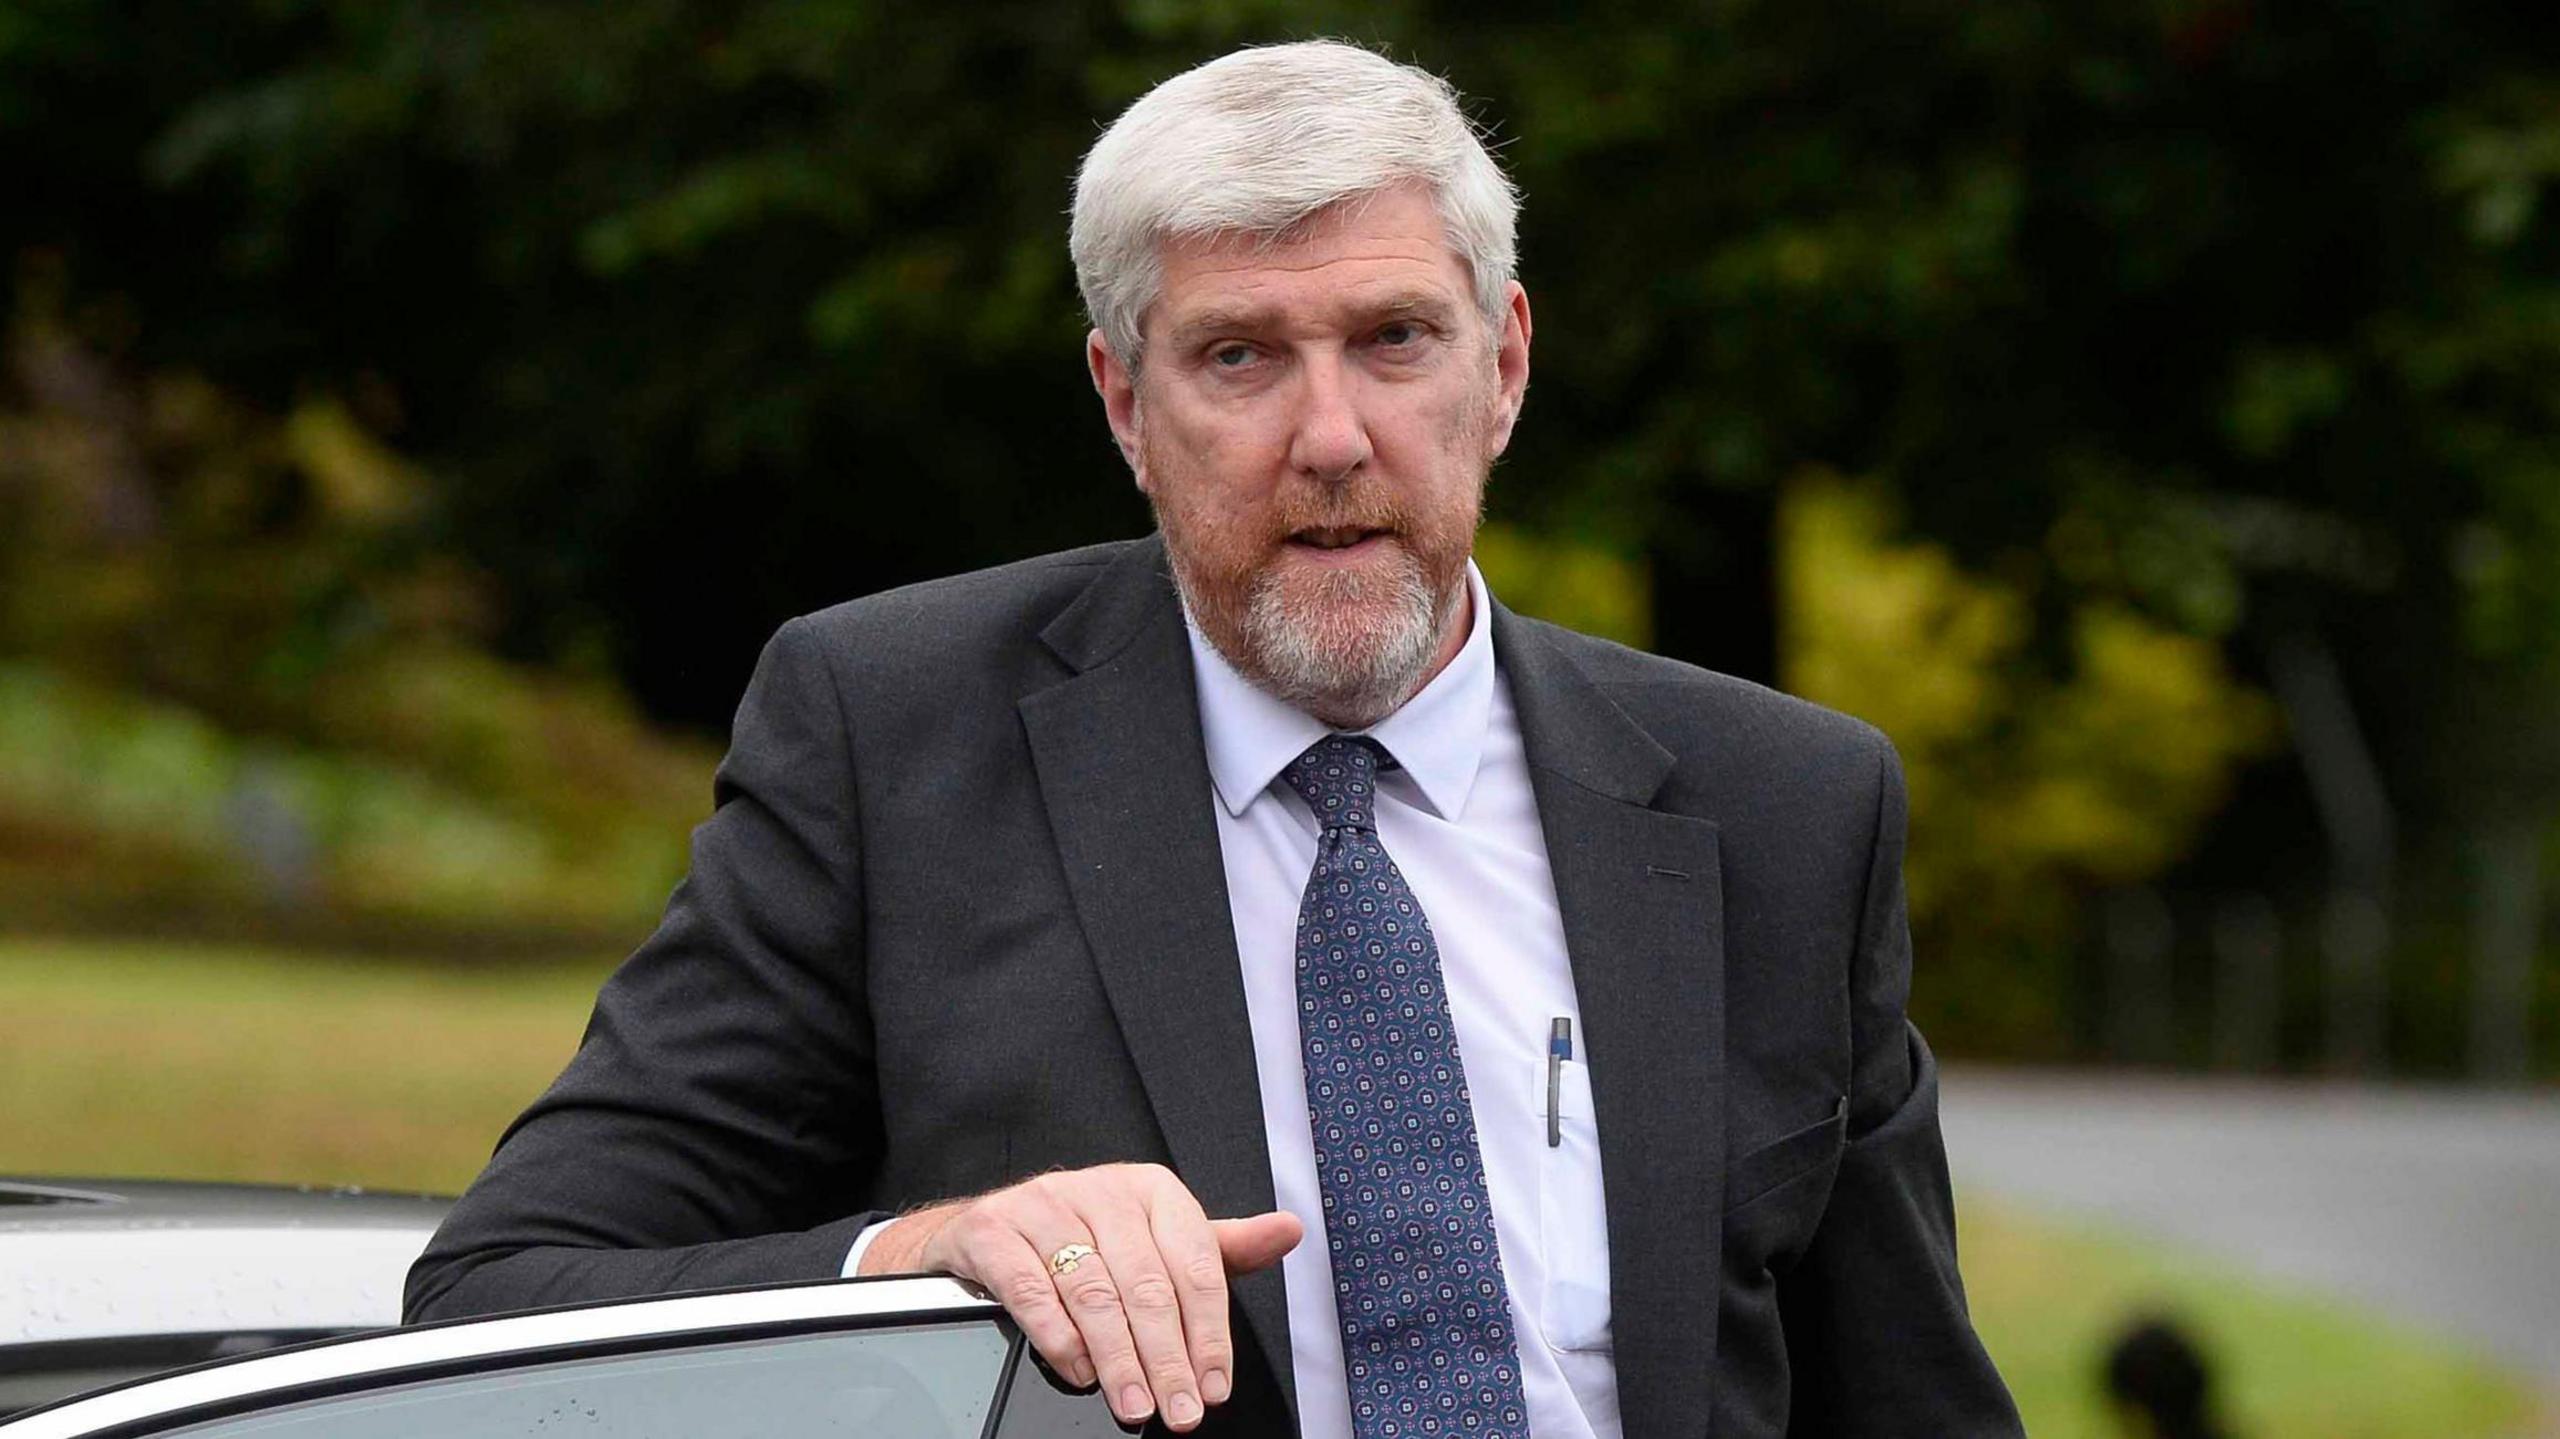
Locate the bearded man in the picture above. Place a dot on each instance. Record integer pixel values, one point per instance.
(1268, 869)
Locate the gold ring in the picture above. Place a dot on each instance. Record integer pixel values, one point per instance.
(1064, 1262)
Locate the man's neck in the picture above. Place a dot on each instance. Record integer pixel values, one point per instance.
(1454, 629)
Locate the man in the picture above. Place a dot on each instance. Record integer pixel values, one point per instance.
(1268, 870)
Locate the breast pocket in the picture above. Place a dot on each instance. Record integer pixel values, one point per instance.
(1573, 1233)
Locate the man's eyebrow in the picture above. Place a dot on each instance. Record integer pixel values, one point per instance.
(1414, 305)
(1223, 321)
(1251, 319)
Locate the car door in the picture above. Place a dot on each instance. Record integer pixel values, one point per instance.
(908, 1358)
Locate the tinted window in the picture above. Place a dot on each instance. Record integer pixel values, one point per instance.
(1040, 1405)
(920, 1382)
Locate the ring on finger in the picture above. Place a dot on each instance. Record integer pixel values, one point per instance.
(1068, 1256)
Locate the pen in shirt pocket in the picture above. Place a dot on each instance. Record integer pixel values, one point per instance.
(1559, 1049)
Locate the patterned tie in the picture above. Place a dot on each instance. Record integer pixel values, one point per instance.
(1417, 1279)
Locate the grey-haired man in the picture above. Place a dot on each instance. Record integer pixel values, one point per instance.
(1268, 869)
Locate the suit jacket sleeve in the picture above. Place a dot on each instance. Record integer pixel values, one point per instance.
(721, 1112)
(1878, 1338)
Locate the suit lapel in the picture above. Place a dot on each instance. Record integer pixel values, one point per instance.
(1122, 772)
(1642, 904)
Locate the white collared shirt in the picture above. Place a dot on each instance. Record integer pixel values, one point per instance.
(1459, 820)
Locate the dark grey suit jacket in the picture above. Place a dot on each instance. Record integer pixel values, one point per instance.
(959, 916)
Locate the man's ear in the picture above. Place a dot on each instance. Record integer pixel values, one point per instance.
(1118, 387)
(1511, 367)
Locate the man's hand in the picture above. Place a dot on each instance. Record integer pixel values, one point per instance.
(1146, 1315)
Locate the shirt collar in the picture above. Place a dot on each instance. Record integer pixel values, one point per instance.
(1438, 736)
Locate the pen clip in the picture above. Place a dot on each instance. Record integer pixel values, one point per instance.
(1559, 1049)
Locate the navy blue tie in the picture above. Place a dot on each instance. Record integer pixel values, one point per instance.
(1417, 1276)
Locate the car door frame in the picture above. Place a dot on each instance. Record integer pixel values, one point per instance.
(229, 1388)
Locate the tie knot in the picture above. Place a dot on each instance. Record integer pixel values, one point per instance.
(1338, 778)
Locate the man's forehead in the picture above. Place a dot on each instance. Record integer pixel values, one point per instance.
(1402, 204)
(1385, 254)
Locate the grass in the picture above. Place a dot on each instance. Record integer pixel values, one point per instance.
(235, 1064)
(2048, 1298)
(226, 1063)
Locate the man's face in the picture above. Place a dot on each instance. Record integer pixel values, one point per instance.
(1313, 423)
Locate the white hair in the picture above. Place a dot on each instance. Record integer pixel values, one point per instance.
(1257, 142)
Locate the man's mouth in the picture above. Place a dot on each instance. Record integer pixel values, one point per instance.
(1333, 537)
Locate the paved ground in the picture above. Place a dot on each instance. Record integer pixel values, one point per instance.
(2438, 1206)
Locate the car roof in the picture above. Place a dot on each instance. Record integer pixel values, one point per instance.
(124, 1259)
(56, 1204)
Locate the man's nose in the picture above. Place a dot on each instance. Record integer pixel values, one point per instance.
(1331, 439)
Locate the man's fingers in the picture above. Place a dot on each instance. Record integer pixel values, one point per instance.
(1151, 1297)
(1145, 1316)
(1191, 1256)
(1093, 1302)
(1045, 1211)
(998, 1258)
(1258, 1241)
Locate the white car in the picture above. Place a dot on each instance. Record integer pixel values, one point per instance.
(130, 1309)
(105, 1280)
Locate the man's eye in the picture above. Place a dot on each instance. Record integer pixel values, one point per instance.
(1231, 357)
(1397, 334)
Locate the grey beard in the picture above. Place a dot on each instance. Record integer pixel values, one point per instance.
(1348, 663)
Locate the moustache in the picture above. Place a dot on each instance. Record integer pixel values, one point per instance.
(1338, 513)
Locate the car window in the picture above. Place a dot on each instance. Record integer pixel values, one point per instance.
(913, 1382)
(1040, 1405)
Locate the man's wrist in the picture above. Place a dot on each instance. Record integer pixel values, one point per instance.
(861, 1246)
(898, 1246)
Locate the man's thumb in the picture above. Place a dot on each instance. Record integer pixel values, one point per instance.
(1257, 1242)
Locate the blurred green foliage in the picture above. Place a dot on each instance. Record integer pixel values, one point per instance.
(2032, 785)
(1579, 585)
(2183, 333)
(246, 686)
